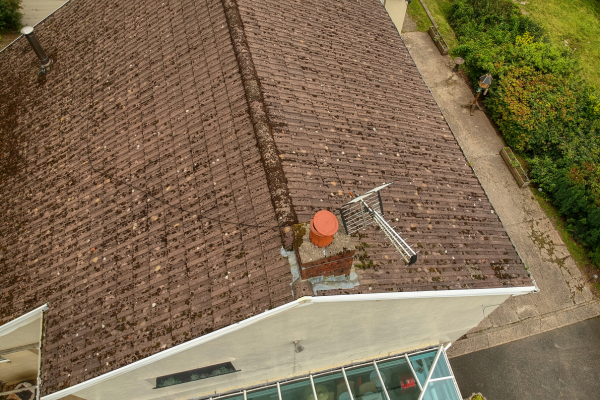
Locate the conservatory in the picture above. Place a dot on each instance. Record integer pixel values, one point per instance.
(422, 375)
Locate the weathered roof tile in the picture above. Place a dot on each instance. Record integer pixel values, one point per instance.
(137, 161)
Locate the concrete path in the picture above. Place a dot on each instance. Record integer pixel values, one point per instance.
(36, 10)
(564, 298)
(560, 364)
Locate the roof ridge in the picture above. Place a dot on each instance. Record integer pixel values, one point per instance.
(263, 131)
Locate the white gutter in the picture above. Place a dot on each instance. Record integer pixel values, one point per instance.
(303, 301)
(22, 320)
(515, 291)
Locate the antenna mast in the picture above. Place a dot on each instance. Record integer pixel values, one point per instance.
(364, 210)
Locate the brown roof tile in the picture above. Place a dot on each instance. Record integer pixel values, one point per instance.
(126, 272)
(359, 114)
(132, 164)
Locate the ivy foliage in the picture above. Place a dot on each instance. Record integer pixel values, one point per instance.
(543, 109)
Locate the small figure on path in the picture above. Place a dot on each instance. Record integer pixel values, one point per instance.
(484, 83)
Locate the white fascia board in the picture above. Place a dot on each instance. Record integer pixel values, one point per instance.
(307, 300)
(515, 291)
(22, 320)
(177, 349)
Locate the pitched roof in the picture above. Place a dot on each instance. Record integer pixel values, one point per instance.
(143, 178)
(351, 111)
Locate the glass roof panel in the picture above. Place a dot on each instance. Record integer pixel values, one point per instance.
(236, 397)
(263, 394)
(331, 387)
(298, 390)
(441, 368)
(399, 382)
(422, 364)
(399, 379)
(365, 383)
(441, 390)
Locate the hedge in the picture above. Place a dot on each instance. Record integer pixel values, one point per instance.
(544, 110)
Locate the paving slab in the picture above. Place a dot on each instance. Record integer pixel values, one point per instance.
(35, 11)
(562, 287)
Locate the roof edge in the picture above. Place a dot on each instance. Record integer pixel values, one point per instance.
(537, 289)
(425, 294)
(174, 350)
(45, 18)
(22, 320)
(263, 132)
(301, 302)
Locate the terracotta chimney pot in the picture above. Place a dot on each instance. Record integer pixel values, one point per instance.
(323, 227)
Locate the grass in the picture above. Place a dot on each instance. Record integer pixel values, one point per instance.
(439, 9)
(574, 21)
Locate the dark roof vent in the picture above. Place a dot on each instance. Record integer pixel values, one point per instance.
(45, 61)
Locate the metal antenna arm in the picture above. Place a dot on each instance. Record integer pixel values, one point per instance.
(404, 249)
(367, 209)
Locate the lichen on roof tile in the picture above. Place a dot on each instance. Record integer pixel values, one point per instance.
(132, 180)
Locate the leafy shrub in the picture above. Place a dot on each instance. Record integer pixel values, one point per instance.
(542, 107)
(546, 114)
(10, 16)
(494, 37)
(574, 199)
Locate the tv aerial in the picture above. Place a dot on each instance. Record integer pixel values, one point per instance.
(367, 209)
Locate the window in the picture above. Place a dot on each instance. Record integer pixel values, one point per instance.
(194, 375)
(263, 394)
(399, 379)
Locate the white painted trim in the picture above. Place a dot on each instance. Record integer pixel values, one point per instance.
(39, 364)
(177, 349)
(347, 384)
(381, 381)
(443, 378)
(307, 300)
(430, 374)
(515, 291)
(22, 320)
(413, 371)
(452, 372)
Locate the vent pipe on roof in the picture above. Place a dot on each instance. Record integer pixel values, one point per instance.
(45, 61)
